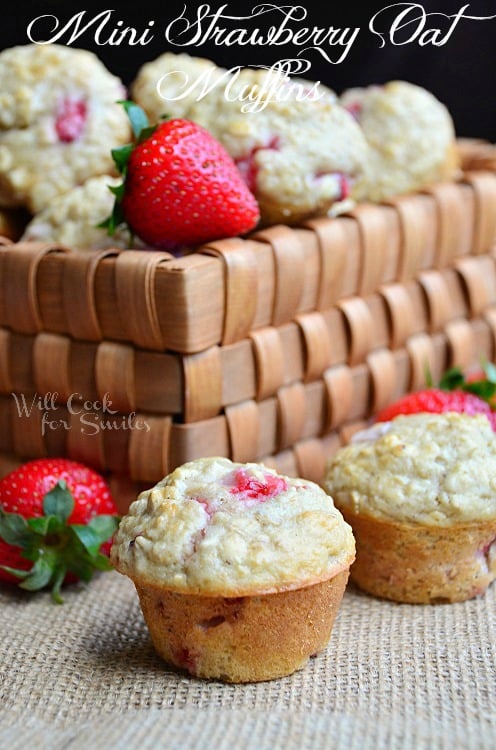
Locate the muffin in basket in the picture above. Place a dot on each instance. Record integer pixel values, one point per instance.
(73, 218)
(59, 120)
(411, 136)
(420, 494)
(240, 571)
(299, 151)
(171, 84)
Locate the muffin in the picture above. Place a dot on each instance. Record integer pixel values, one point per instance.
(240, 571)
(73, 217)
(411, 136)
(171, 84)
(59, 120)
(298, 150)
(420, 494)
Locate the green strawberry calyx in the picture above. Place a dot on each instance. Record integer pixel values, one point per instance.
(484, 387)
(141, 130)
(55, 547)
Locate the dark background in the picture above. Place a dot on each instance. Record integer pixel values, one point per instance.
(461, 73)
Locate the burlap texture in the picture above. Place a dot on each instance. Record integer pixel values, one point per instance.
(84, 675)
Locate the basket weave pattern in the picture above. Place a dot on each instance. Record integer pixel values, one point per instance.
(274, 348)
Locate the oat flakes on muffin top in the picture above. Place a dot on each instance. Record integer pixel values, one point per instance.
(59, 120)
(172, 84)
(437, 469)
(299, 151)
(411, 136)
(216, 527)
(72, 218)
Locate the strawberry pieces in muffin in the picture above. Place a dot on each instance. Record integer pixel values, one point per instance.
(246, 486)
(59, 120)
(292, 147)
(71, 119)
(247, 164)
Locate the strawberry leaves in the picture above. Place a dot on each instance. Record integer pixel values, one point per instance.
(482, 384)
(137, 117)
(141, 130)
(54, 547)
(58, 502)
(121, 157)
(117, 217)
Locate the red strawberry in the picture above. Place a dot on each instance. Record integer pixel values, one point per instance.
(468, 394)
(180, 187)
(57, 518)
(437, 400)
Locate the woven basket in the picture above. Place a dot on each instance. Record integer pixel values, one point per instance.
(273, 348)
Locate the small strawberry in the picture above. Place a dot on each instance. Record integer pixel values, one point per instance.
(180, 186)
(481, 381)
(438, 401)
(57, 518)
(455, 392)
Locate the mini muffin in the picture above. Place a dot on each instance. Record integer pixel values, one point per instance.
(59, 120)
(420, 494)
(240, 571)
(172, 83)
(299, 151)
(73, 217)
(411, 137)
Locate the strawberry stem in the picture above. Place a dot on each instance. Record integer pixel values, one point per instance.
(137, 117)
(141, 130)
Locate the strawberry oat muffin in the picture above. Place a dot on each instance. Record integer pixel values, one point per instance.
(299, 151)
(59, 120)
(72, 218)
(411, 137)
(240, 571)
(420, 494)
(171, 84)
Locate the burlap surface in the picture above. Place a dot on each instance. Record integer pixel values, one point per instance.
(84, 675)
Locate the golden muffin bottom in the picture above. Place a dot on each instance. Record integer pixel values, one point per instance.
(240, 571)
(422, 564)
(246, 638)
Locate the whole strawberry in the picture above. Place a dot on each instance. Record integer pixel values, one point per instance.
(472, 394)
(57, 518)
(481, 381)
(181, 187)
(437, 400)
